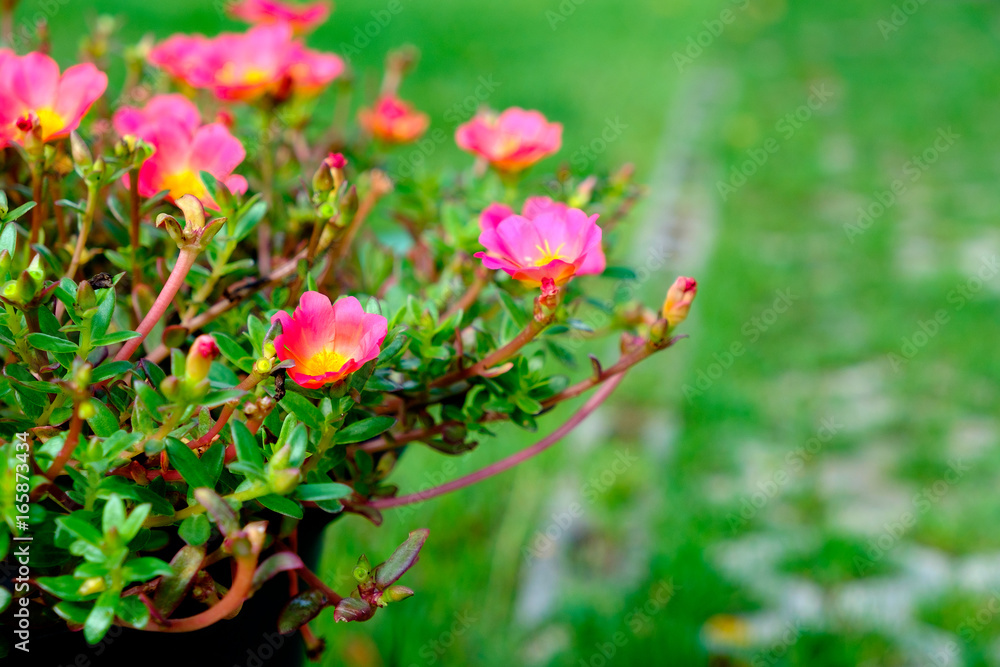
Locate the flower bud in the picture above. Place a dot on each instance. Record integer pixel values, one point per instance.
(322, 180)
(86, 410)
(395, 594)
(203, 351)
(91, 585)
(81, 153)
(679, 298)
(263, 366)
(362, 572)
(170, 387)
(284, 481)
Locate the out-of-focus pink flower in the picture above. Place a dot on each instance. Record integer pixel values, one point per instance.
(171, 109)
(302, 18)
(32, 85)
(327, 341)
(393, 121)
(550, 241)
(679, 299)
(512, 141)
(184, 148)
(245, 66)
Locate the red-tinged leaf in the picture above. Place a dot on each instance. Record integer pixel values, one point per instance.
(219, 509)
(279, 562)
(173, 587)
(401, 560)
(353, 609)
(301, 609)
(367, 511)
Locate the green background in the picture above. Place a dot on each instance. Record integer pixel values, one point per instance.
(715, 539)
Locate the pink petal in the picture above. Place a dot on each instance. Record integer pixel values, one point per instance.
(216, 151)
(494, 214)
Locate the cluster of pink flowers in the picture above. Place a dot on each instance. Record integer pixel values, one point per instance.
(33, 94)
(183, 148)
(266, 60)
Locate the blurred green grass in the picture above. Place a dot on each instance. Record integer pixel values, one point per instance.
(670, 518)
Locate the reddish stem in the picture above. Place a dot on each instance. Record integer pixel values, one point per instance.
(510, 461)
(185, 260)
(230, 603)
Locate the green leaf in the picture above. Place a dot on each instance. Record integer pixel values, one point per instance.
(401, 560)
(512, 308)
(5, 598)
(19, 211)
(130, 526)
(51, 343)
(80, 528)
(365, 429)
(116, 337)
(233, 351)
(103, 422)
(114, 514)
(105, 310)
(195, 530)
(8, 238)
(281, 505)
(247, 449)
(327, 491)
(101, 616)
(109, 370)
(145, 568)
(303, 409)
(188, 464)
(172, 588)
(301, 609)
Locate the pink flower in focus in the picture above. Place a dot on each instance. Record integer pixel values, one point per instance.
(327, 341)
(302, 18)
(393, 121)
(512, 141)
(245, 66)
(550, 240)
(32, 84)
(184, 148)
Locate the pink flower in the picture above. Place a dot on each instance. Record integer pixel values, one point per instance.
(32, 85)
(245, 66)
(393, 121)
(550, 240)
(512, 141)
(327, 341)
(184, 148)
(303, 18)
(172, 109)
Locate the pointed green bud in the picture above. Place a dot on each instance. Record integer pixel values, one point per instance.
(86, 298)
(82, 157)
(363, 570)
(394, 594)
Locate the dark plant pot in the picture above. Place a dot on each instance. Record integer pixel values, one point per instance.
(250, 639)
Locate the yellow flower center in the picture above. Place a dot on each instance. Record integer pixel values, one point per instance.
(548, 254)
(327, 361)
(231, 74)
(50, 121)
(184, 183)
